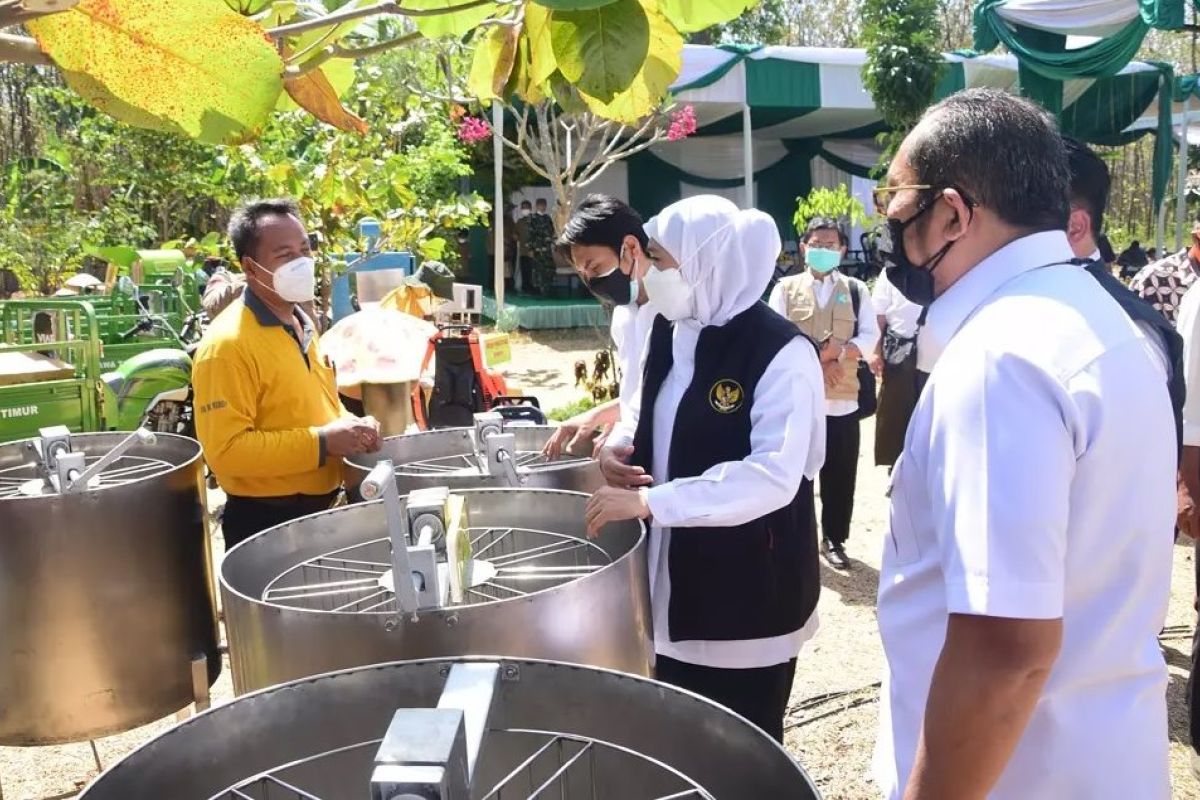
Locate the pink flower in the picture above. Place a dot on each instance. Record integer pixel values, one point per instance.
(474, 129)
(683, 124)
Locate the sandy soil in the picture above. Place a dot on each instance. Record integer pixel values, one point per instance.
(835, 698)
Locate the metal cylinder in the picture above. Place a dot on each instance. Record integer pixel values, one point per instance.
(630, 738)
(106, 595)
(302, 598)
(448, 458)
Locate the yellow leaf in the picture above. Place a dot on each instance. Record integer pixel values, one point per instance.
(541, 48)
(659, 71)
(315, 94)
(520, 83)
(184, 66)
(493, 62)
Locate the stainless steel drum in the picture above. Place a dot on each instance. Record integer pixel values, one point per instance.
(462, 730)
(459, 459)
(318, 594)
(105, 584)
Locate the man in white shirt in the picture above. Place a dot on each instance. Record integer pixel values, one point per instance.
(835, 311)
(606, 242)
(1028, 568)
(1189, 486)
(896, 362)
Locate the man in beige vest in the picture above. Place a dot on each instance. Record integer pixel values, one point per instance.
(835, 311)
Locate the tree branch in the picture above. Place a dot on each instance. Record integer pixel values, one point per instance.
(22, 50)
(525, 157)
(14, 12)
(338, 51)
(384, 7)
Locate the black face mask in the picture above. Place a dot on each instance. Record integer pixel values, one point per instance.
(615, 287)
(914, 281)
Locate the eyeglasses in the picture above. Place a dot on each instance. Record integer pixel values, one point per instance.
(885, 194)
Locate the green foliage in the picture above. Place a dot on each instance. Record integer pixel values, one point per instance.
(136, 59)
(601, 50)
(96, 183)
(615, 58)
(904, 62)
(407, 170)
(562, 413)
(836, 203)
(768, 22)
(695, 15)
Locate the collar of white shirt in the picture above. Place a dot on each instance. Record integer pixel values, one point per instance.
(949, 311)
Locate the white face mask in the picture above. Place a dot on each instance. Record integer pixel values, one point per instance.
(669, 293)
(295, 281)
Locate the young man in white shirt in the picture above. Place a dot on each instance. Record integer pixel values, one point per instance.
(606, 242)
(835, 311)
(1027, 571)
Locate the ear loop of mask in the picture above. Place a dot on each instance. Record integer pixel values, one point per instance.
(936, 260)
(255, 279)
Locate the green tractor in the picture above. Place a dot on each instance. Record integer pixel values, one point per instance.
(51, 355)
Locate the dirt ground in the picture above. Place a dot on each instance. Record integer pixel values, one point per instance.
(835, 697)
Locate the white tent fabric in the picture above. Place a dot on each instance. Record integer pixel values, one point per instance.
(1071, 17)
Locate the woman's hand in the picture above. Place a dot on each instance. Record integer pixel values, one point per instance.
(571, 437)
(614, 464)
(614, 505)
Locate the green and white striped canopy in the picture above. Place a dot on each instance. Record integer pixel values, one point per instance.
(808, 106)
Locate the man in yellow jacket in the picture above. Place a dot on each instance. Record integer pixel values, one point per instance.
(267, 409)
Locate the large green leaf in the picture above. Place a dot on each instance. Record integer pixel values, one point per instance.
(566, 95)
(696, 15)
(601, 50)
(248, 8)
(139, 61)
(457, 23)
(573, 5)
(650, 85)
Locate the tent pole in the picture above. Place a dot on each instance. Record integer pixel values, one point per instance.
(748, 155)
(1160, 227)
(498, 232)
(1181, 180)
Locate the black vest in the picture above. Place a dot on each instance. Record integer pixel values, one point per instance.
(1139, 310)
(750, 581)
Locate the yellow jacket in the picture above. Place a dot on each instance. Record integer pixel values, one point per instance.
(259, 401)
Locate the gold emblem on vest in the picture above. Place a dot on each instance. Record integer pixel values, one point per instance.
(726, 396)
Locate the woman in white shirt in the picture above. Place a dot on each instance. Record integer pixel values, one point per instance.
(726, 434)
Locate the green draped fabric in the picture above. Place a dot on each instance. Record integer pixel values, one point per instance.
(740, 54)
(1045, 63)
(1101, 59)
(655, 184)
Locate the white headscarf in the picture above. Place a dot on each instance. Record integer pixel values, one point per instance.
(726, 255)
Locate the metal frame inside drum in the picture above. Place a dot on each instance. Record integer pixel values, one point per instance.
(304, 722)
(603, 619)
(571, 475)
(106, 596)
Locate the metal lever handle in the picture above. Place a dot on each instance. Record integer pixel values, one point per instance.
(139, 436)
(381, 482)
(511, 475)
